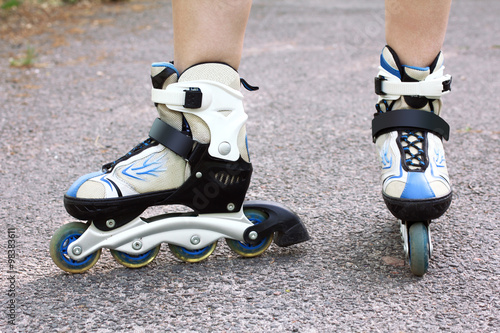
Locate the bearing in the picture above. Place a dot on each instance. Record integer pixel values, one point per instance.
(77, 250)
(110, 223)
(195, 240)
(253, 235)
(137, 245)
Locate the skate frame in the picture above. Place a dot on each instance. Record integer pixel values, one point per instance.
(403, 228)
(141, 235)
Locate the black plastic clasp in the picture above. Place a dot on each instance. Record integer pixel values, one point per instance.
(447, 85)
(378, 85)
(193, 98)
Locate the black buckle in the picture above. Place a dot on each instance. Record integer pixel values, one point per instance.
(378, 85)
(193, 98)
(447, 85)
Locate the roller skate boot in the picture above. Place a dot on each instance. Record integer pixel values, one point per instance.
(408, 132)
(197, 156)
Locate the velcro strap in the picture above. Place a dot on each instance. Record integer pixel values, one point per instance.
(175, 140)
(409, 119)
(434, 88)
(190, 98)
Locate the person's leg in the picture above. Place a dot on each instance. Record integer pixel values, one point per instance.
(208, 43)
(209, 31)
(416, 29)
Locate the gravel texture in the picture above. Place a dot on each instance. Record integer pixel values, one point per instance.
(86, 102)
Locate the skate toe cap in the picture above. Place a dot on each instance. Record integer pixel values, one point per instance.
(417, 187)
(81, 188)
(91, 190)
(440, 188)
(394, 189)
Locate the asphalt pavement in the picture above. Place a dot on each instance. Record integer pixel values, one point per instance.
(87, 102)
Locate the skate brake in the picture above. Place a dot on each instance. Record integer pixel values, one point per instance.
(287, 225)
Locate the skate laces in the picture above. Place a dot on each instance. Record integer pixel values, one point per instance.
(386, 106)
(106, 168)
(149, 142)
(413, 143)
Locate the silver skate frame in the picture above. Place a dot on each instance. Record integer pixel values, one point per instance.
(139, 236)
(403, 228)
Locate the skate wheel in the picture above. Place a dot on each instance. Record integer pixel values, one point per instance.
(135, 261)
(192, 255)
(59, 243)
(247, 250)
(418, 248)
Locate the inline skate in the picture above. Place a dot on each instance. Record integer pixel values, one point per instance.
(197, 156)
(408, 131)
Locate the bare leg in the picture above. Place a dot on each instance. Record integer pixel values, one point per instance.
(415, 29)
(209, 31)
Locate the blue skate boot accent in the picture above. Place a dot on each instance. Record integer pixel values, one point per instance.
(73, 190)
(417, 187)
(408, 131)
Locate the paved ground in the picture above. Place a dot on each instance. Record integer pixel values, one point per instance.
(87, 102)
